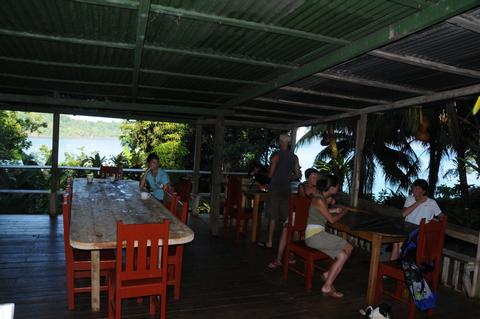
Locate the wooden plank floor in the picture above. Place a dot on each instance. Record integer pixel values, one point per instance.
(221, 280)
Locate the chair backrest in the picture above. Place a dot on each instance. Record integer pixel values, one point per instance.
(234, 193)
(181, 211)
(146, 251)
(67, 209)
(170, 200)
(184, 188)
(298, 214)
(108, 171)
(430, 240)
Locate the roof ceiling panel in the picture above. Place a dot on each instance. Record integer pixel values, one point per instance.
(44, 50)
(446, 43)
(168, 31)
(70, 19)
(205, 66)
(65, 73)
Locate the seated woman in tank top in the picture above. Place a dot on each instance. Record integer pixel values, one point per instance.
(316, 237)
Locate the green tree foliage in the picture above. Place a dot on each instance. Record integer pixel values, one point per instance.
(172, 143)
(72, 127)
(14, 132)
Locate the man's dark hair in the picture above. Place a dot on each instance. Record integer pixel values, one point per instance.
(152, 156)
(309, 171)
(423, 184)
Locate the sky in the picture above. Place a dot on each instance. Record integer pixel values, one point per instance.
(94, 118)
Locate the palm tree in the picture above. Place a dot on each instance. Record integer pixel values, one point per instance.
(387, 146)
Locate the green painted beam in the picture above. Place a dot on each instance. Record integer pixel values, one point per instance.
(108, 44)
(415, 4)
(38, 78)
(106, 95)
(27, 77)
(201, 77)
(219, 56)
(142, 21)
(67, 65)
(244, 24)
(107, 105)
(123, 45)
(430, 15)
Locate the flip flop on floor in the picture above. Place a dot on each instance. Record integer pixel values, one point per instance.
(274, 265)
(263, 245)
(333, 293)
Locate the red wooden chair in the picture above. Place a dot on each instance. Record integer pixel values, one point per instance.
(143, 270)
(234, 207)
(106, 171)
(170, 200)
(430, 242)
(175, 254)
(184, 188)
(297, 222)
(78, 262)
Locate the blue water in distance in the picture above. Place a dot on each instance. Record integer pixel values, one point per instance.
(107, 147)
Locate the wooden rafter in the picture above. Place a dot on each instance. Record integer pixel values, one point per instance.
(424, 63)
(107, 105)
(373, 83)
(441, 10)
(142, 21)
(419, 100)
(466, 21)
(334, 95)
(306, 105)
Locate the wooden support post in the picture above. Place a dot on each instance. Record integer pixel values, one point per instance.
(357, 164)
(293, 134)
(54, 170)
(196, 166)
(476, 273)
(216, 174)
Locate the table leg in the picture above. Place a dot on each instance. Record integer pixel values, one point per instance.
(95, 256)
(256, 204)
(374, 259)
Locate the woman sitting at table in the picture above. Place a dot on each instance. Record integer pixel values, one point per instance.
(417, 206)
(156, 178)
(316, 237)
(305, 189)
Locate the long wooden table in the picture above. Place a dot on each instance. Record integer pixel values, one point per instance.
(95, 209)
(378, 229)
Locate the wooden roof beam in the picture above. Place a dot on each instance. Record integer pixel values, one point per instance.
(151, 87)
(418, 100)
(108, 44)
(247, 123)
(131, 46)
(106, 95)
(96, 112)
(466, 21)
(334, 95)
(438, 11)
(107, 105)
(142, 20)
(263, 110)
(205, 17)
(306, 105)
(218, 56)
(201, 77)
(373, 83)
(424, 63)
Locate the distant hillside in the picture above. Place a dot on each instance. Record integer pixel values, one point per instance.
(74, 128)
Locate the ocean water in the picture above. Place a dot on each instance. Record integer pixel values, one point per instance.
(107, 147)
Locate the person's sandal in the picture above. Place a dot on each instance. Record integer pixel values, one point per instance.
(274, 265)
(333, 293)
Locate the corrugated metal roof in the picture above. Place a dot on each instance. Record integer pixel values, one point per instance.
(207, 55)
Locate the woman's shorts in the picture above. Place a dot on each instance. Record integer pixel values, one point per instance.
(327, 243)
